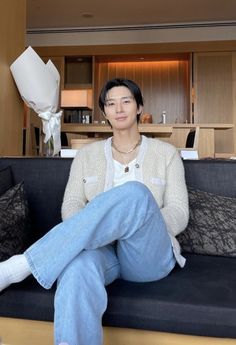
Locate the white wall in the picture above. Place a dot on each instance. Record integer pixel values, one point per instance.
(131, 36)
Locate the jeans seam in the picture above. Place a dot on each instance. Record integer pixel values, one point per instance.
(110, 268)
(35, 273)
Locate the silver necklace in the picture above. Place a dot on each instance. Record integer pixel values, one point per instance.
(126, 169)
(129, 151)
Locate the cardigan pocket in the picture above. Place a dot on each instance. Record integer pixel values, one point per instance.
(90, 179)
(158, 181)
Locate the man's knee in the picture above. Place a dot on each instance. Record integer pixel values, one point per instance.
(135, 189)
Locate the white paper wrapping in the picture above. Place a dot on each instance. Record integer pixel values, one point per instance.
(38, 84)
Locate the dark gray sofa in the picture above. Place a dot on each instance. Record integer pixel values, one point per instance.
(199, 299)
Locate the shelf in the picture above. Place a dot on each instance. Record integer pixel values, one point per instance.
(78, 72)
(163, 130)
(175, 134)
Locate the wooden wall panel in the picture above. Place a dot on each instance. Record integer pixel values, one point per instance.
(213, 85)
(12, 38)
(164, 84)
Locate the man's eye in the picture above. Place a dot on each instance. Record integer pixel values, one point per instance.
(110, 104)
(126, 101)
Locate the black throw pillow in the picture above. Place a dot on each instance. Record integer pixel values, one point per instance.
(14, 222)
(6, 181)
(211, 228)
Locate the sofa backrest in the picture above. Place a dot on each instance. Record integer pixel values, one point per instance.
(212, 175)
(45, 180)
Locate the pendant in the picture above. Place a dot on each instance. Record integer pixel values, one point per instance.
(126, 169)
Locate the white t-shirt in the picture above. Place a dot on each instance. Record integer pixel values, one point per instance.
(120, 176)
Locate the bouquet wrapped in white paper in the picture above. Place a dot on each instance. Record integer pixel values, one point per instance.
(38, 84)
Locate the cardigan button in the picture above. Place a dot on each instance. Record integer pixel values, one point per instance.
(84, 180)
(137, 165)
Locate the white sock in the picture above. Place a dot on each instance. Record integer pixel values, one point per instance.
(13, 270)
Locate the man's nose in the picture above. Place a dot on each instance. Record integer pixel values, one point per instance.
(119, 107)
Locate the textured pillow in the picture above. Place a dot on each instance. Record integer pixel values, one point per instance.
(5, 179)
(212, 225)
(14, 222)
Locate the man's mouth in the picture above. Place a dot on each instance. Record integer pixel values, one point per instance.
(121, 118)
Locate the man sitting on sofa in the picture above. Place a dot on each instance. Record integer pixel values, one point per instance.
(125, 201)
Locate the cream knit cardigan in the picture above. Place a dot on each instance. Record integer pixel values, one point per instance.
(158, 166)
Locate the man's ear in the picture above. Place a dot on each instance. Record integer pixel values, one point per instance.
(140, 110)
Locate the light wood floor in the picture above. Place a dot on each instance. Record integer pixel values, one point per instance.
(27, 332)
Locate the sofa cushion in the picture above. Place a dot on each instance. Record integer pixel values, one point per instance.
(212, 225)
(5, 179)
(199, 299)
(14, 222)
(44, 182)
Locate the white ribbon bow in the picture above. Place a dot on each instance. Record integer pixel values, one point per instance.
(52, 128)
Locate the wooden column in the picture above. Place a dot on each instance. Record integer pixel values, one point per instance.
(12, 44)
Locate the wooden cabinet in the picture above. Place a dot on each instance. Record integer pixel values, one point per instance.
(192, 88)
(175, 134)
(78, 72)
(214, 90)
(164, 80)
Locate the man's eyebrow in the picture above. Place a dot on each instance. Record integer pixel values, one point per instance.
(122, 97)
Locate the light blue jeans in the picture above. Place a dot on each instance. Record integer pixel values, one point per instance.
(119, 234)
